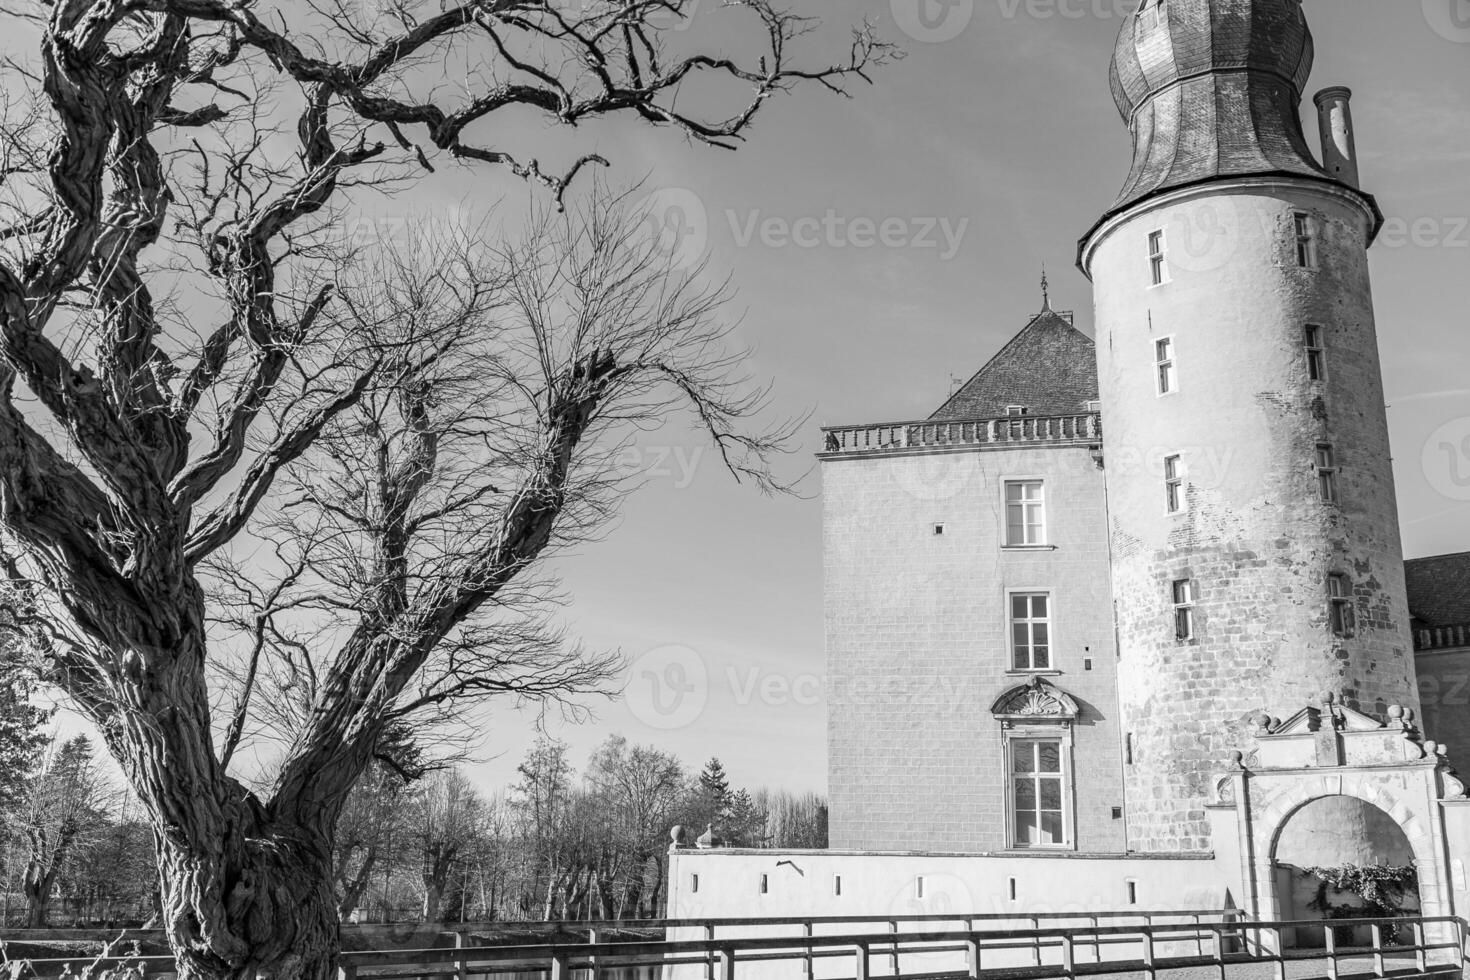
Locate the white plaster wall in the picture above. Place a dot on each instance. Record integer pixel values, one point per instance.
(1255, 537)
(801, 885)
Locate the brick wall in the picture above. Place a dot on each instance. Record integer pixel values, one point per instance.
(917, 645)
(1444, 692)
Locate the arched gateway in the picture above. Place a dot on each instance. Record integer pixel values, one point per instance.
(1334, 752)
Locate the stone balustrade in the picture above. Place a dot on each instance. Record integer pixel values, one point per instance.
(1442, 637)
(1084, 429)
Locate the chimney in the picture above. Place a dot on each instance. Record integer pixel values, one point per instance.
(1339, 146)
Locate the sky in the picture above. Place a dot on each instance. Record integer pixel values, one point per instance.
(998, 126)
(985, 153)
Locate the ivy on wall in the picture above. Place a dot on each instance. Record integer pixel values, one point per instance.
(1382, 888)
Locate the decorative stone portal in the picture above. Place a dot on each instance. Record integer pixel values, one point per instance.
(1376, 776)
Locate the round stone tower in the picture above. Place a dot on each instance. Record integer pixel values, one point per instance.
(1255, 542)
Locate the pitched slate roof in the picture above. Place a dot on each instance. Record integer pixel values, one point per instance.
(1439, 589)
(1050, 367)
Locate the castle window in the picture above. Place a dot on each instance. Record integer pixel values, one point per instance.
(1165, 371)
(694, 883)
(1157, 261)
(1306, 242)
(1184, 609)
(1025, 513)
(1340, 600)
(1327, 473)
(1316, 353)
(837, 885)
(1038, 791)
(1174, 484)
(1031, 630)
(765, 884)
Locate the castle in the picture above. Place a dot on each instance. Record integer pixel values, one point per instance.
(1131, 616)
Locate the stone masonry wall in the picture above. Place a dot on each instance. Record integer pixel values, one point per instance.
(1255, 537)
(917, 646)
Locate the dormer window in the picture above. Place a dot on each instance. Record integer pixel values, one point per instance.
(1015, 411)
(1152, 14)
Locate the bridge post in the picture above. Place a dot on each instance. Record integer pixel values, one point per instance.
(1069, 957)
(559, 969)
(864, 968)
(591, 941)
(1149, 970)
(972, 953)
(806, 931)
(1329, 945)
(1378, 964)
(727, 963)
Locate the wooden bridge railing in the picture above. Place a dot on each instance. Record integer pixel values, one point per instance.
(1059, 952)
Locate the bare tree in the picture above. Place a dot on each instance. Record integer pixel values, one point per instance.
(448, 818)
(66, 813)
(171, 356)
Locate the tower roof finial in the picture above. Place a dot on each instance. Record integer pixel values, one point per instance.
(1045, 291)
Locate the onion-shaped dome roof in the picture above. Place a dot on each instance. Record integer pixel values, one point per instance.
(1168, 41)
(1212, 89)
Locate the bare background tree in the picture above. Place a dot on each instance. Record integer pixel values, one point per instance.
(181, 380)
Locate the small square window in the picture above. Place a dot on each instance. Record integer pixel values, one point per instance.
(1340, 601)
(1316, 353)
(1174, 484)
(1306, 241)
(939, 529)
(1164, 365)
(1183, 594)
(1327, 473)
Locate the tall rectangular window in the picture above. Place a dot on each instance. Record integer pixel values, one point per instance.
(1025, 513)
(1174, 484)
(1038, 793)
(1306, 242)
(1316, 353)
(1158, 258)
(1340, 601)
(1031, 631)
(1168, 377)
(1184, 609)
(1327, 473)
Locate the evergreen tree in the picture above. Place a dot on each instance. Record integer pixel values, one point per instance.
(715, 784)
(22, 738)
